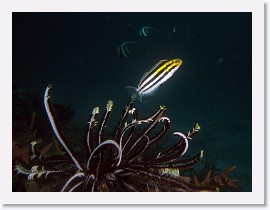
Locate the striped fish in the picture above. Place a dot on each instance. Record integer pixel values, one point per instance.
(145, 31)
(152, 79)
(123, 51)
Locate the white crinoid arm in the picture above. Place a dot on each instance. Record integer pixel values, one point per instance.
(34, 171)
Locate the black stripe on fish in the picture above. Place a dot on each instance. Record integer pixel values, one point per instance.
(156, 75)
(123, 51)
(157, 78)
(153, 69)
(145, 31)
(154, 83)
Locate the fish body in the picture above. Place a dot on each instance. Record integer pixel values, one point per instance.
(123, 51)
(152, 79)
(145, 31)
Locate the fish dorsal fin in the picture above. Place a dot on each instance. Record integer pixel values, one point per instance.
(149, 27)
(157, 64)
(143, 77)
(151, 70)
(129, 42)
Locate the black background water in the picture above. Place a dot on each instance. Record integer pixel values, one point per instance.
(76, 52)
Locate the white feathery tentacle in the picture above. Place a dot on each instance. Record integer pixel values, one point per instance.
(185, 139)
(78, 174)
(107, 142)
(34, 171)
(91, 123)
(54, 127)
(75, 186)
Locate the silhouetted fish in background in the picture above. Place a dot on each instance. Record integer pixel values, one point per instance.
(77, 60)
(123, 51)
(145, 31)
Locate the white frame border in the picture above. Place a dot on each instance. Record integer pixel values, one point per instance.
(257, 195)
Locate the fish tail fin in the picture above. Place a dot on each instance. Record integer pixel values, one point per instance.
(154, 28)
(132, 42)
(135, 95)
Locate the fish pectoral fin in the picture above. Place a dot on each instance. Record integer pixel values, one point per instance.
(134, 93)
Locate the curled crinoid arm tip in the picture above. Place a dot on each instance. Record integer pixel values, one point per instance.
(105, 121)
(195, 130)
(197, 127)
(109, 105)
(56, 127)
(183, 139)
(95, 110)
(161, 107)
(201, 153)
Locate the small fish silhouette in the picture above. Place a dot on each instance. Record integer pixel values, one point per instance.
(123, 51)
(145, 31)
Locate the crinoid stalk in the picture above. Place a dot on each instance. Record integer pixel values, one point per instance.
(124, 161)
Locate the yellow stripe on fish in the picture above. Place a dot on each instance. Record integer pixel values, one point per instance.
(169, 65)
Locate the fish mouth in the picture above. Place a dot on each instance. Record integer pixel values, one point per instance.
(177, 61)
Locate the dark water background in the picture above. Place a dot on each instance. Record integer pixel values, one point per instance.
(76, 52)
